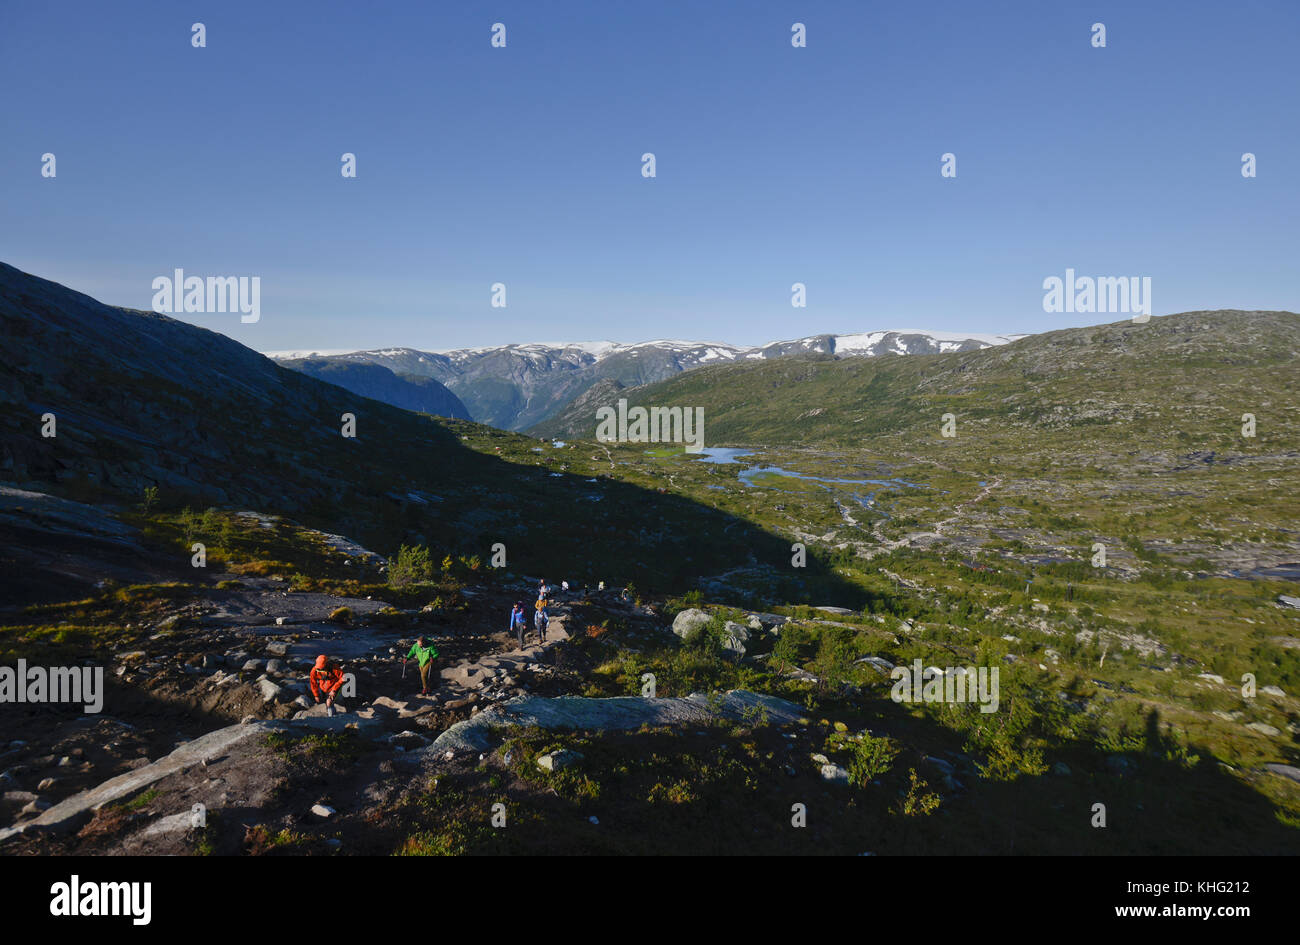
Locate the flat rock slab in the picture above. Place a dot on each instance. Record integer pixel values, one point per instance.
(620, 713)
(214, 745)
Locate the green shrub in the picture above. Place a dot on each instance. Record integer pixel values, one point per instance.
(411, 565)
(872, 757)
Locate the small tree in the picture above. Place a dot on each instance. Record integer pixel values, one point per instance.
(150, 499)
(872, 757)
(411, 565)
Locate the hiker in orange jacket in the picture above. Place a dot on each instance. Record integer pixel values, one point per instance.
(327, 677)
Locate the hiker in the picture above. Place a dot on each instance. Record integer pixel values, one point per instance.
(425, 655)
(326, 677)
(542, 589)
(518, 622)
(541, 620)
(564, 587)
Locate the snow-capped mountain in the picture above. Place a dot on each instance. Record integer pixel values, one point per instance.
(517, 386)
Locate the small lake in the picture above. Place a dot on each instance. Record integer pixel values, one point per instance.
(722, 454)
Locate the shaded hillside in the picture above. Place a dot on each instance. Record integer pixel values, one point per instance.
(142, 400)
(410, 392)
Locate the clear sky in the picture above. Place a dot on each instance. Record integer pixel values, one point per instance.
(775, 165)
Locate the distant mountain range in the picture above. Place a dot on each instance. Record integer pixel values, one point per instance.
(519, 386)
(1181, 380)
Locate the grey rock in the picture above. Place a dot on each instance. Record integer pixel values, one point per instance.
(1283, 771)
(619, 713)
(735, 638)
(835, 774)
(688, 621)
(559, 760)
(1264, 729)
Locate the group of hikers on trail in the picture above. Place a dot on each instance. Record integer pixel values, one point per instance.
(519, 622)
(326, 677)
(541, 616)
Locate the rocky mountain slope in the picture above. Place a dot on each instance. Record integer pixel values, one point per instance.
(141, 401)
(410, 391)
(514, 387)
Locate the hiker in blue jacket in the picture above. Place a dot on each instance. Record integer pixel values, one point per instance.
(541, 620)
(518, 622)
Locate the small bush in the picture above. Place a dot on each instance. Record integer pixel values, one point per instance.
(411, 565)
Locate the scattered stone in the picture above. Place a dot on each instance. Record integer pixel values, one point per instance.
(46, 784)
(1120, 765)
(253, 666)
(1283, 771)
(944, 766)
(1273, 691)
(559, 760)
(835, 774)
(322, 810)
(175, 823)
(1288, 601)
(1264, 729)
(1211, 677)
(1061, 769)
(735, 638)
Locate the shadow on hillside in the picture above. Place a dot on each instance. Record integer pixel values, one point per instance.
(682, 805)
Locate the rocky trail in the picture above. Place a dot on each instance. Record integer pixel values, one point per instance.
(242, 655)
(207, 711)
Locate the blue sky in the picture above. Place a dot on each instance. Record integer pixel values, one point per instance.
(775, 165)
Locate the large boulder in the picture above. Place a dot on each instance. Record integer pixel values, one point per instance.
(688, 621)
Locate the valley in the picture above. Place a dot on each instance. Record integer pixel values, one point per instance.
(1104, 530)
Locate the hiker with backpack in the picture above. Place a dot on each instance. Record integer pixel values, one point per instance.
(425, 655)
(541, 620)
(326, 677)
(518, 622)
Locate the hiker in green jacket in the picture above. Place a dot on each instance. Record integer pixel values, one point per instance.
(425, 655)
